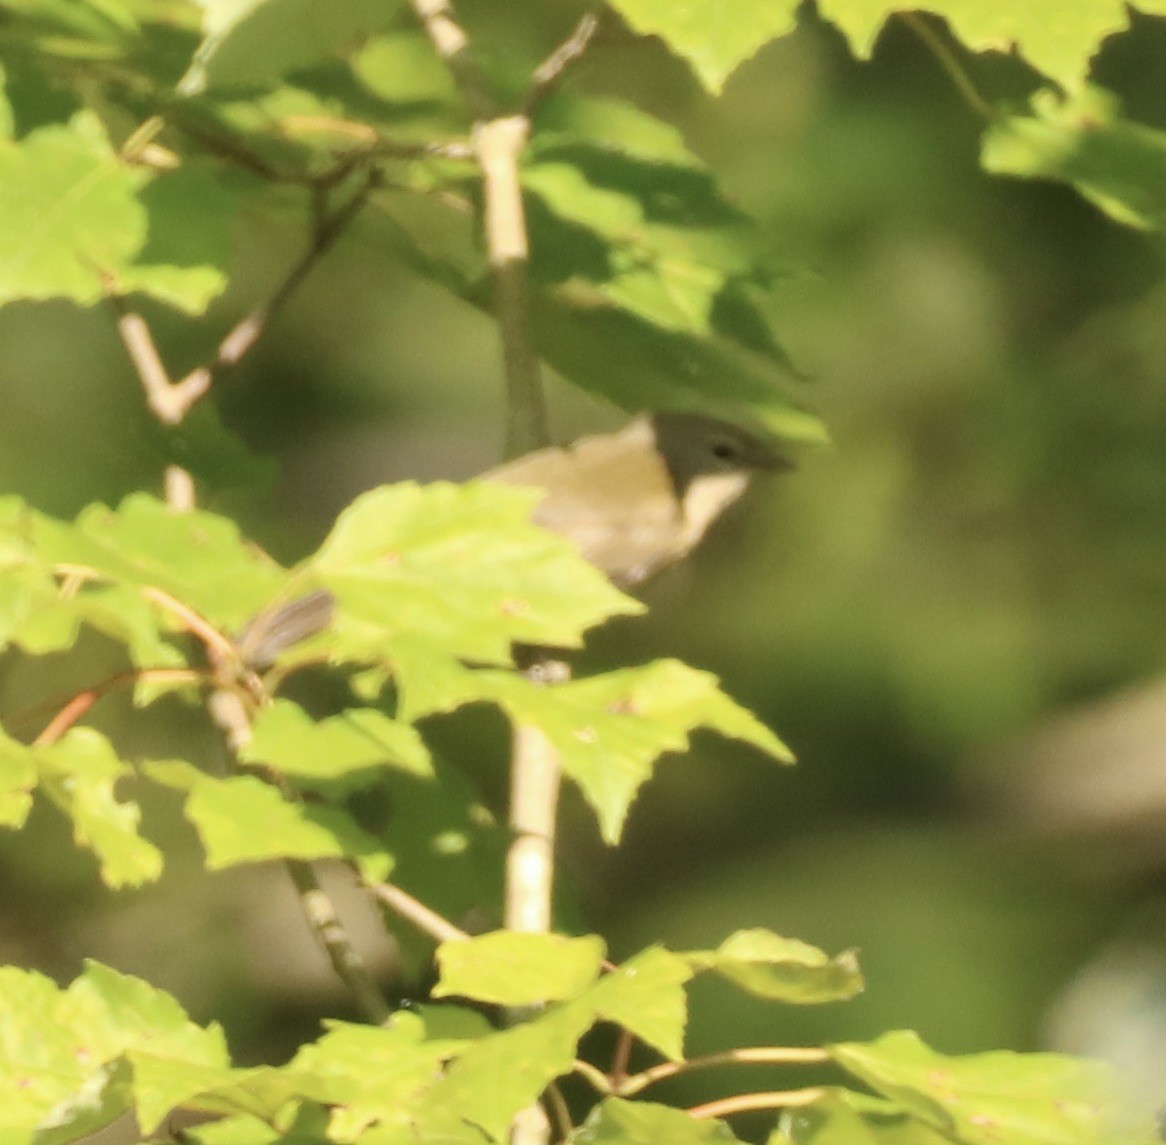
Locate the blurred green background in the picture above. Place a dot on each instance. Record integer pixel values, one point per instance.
(983, 549)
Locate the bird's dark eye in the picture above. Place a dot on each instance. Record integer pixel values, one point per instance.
(724, 450)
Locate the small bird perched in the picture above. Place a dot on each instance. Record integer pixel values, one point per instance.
(638, 500)
(632, 502)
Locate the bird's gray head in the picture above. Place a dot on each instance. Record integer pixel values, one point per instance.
(694, 445)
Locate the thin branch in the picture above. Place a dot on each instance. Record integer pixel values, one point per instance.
(66, 718)
(949, 63)
(59, 702)
(416, 913)
(375, 145)
(560, 1112)
(193, 623)
(452, 44)
(753, 1102)
(499, 144)
(350, 968)
(621, 1056)
(530, 860)
(600, 1082)
(178, 485)
(227, 705)
(234, 720)
(749, 1055)
(327, 231)
(547, 75)
(169, 401)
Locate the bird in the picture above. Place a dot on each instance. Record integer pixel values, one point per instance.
(632, 502)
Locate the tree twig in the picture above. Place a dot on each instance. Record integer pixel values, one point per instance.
(327, 230)
(171, 401)
(621, 1056)
(499, 145)
(600, 1082)
(547, 75)
(416, 913)
(452, 44)
(350, 968)
(104, 686)
(748, 1055)
(560, 1111)
(753, 1102)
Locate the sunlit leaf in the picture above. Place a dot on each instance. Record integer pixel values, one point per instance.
(786, 969)
(60, 1068)
(1056, 38)
(609, 730)
(251, 43)
(225, 813)
(82, 223)
(645, 995)
(615, 1121)
(981, 1099)
(1083, 141)
(501, 1074)
(368, 1074)
(510, 969)
(71, 213)
(198, 558)
(713, 40)
(843, 1117)
(347, 745)
(461, 566)
(78, 774)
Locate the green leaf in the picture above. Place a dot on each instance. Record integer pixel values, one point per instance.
(40, 1072)
(60, 1050)
(609, 730)
(1056, 38)
(244, 1129)
(196, 557)
(842, 1117)
(713, 42)
(70, 213)
(503, 1073)
(18, 779)
(225, 813)
(1083, 141)
(74, 31)
(786, 969)
(615, 1121)
(252, 43)
(646, 996)
(982, 1099)
(125, 615)
(460, 566)
(447, 848)
(645, 273)
(344, 747)
(33, 611)
(186, 254)
(604, 347)
(82, 223)
(370, 1074)
(569, 119)
(171, 1055)
(511, 969)
(417, 93)
(78, 774)
(115, 1012)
